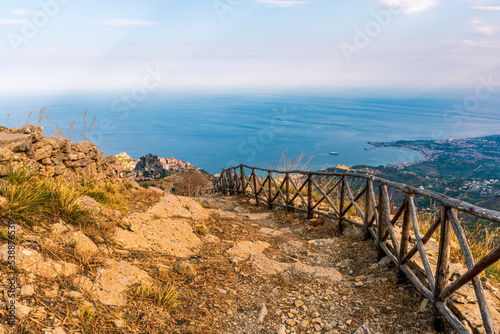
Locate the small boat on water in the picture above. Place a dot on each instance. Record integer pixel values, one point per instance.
(334, 153)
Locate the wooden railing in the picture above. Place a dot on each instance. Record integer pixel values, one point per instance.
(371, 209)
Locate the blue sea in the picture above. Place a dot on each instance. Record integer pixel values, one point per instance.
(216, 130)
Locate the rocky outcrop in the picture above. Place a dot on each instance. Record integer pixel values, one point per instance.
(163, 228)
(33, 262)
(150, 165)
(54, 156)
(113, 280)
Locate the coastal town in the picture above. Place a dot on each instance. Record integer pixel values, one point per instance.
(487, 148)
(151, 166)
(467, 169)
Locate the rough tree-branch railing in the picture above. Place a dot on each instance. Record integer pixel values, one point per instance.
(309, 189)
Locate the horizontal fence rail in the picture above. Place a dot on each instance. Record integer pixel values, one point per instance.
(387, 211)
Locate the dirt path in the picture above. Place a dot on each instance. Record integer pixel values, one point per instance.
(273, 272)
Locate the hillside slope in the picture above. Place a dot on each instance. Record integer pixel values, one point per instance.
(235, 267)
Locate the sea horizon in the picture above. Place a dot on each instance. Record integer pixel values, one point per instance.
(217, 130)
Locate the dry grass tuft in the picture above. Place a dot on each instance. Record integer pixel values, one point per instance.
(200, 229)
(162, 296)
(32, 198)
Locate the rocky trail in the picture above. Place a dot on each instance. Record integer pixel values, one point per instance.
(274, 272)
(236, 267)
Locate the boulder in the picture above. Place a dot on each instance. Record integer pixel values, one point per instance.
(184, 268)
(167, 236)
(15, 142)
(113, 280)
(83, 245)
(179, 207)
(33, 262)
(246, 249)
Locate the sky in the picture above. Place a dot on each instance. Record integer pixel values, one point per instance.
(69, 45)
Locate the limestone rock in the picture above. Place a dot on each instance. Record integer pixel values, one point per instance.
(89, 202)
(22, 311)
(33, 262)
(247, 248)
(385, 261)
(423, 305)
(60, 228)
(113, 281)
(59, 330)
(83, 245)
(270, 231)
(184, 268)
(15, 142)
(330, 273)
(268, 266)
(353, 232)
(330, 224)
(262, 313)
(172, 206)
(258, 216)
(323, 242)
(365, 329)
(73, 295)
(168, 236)
(27, 291)
(210, 238)
(118, 324)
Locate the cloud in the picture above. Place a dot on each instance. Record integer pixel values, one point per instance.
(19, 11)
(124, 22)
(10, 22)
(485, 4)
(486, 7)
(281, 3)
(483, 29)
(486, 44)
(408, 6)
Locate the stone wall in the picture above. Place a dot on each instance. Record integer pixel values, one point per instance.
(54, 156)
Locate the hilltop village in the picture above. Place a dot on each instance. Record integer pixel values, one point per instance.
(150, 167)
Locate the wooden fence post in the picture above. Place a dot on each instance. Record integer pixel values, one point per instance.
(287, 182)
(269, 186)
(255, 186)
(341, 205)
(443, 266)
(309, 197)
(368, 210)
(242, 178)
(236, 181)
(405, 239)
(382, 228)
